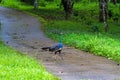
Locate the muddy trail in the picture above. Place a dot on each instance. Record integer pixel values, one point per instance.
(22, 32)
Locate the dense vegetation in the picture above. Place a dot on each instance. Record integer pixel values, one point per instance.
(82, 30)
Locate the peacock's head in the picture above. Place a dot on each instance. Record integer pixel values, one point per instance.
(61, 33)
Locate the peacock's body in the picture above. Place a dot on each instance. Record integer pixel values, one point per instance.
(56, 48)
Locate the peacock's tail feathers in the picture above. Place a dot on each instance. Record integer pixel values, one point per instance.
(45, 48)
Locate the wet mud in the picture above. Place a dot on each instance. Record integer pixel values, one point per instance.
(22, 32)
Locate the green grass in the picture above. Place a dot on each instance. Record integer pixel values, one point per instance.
(15, 66)
(78, 30)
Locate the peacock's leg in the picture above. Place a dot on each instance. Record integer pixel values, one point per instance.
(55, 56)
(60, 54)
(59, 51)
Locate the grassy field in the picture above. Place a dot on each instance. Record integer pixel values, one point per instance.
(16, 66)
(78, 31)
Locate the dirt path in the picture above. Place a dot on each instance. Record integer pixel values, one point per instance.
(22, 32)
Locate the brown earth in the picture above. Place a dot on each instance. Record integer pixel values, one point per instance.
(22, 32)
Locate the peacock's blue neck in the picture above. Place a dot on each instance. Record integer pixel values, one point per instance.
(60, 38)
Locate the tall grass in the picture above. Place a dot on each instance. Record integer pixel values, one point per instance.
(15, 66)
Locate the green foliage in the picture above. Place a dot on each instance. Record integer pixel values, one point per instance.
(85, 1)
(12, 3)
(115, 9)
(15, 66)
(118, 1)
(42, 3)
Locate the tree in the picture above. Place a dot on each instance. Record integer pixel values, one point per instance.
(103, 9)
(68, 7)
(35, 4)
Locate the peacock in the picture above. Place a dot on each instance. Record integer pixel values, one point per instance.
(56, 48)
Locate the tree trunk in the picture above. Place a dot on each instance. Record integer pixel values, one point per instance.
(36, 5)
(68, 7)
(101, 3)
(103, 6)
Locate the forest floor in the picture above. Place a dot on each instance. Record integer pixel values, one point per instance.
(22, 32)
